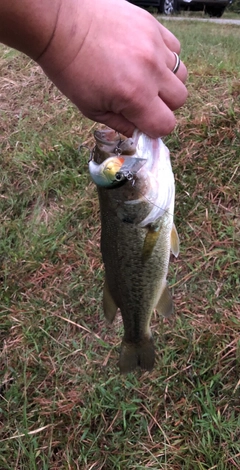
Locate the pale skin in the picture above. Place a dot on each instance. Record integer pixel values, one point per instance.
(113, 60)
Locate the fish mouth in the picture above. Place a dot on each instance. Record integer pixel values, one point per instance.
(107, 136)
(111, 141)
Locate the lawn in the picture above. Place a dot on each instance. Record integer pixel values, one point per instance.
(64, 405)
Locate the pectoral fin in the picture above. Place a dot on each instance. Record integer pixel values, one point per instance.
(174, 241)
(165, 304)
(109, 306)
(149, 243)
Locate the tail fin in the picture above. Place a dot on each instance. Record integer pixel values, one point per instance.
(133, 355)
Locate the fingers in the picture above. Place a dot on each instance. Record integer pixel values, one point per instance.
(181, 72)
(172, 92)
(173, 45)
(153, 113)
(117, 122)
(170, 83)
(156, 119)
(170, 40)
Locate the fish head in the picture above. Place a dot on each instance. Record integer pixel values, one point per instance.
(107, 136)
(114, 160)
(139, 170)
(111, 142)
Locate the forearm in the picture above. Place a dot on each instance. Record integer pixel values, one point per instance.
(28, 25)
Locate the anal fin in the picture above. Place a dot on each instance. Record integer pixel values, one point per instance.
(109, 306)
(165, 305)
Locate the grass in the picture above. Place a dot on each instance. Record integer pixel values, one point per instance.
(229, 13)
(63, 404)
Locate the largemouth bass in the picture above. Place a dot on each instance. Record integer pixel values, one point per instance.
(136, 192)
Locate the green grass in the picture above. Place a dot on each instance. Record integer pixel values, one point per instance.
(63, 404)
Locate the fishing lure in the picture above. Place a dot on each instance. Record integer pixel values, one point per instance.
(116, 169)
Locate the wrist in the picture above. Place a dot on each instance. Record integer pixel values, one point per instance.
(67, 38)
(27, 25)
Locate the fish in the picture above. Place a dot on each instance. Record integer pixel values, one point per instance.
(136, 192)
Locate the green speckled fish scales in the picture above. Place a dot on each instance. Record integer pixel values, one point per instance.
(137, 230)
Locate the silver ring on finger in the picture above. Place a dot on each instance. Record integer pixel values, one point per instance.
(177, 64)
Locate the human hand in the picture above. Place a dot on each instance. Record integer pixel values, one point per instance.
(114, 61)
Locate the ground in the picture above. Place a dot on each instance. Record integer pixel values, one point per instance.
(63, 403)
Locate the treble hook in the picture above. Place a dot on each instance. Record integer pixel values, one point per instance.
(118, 150)
(91, 152)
